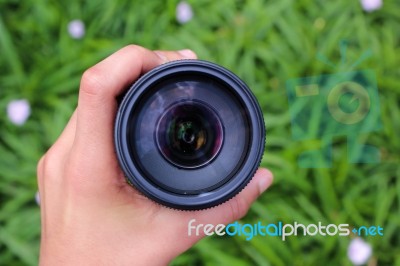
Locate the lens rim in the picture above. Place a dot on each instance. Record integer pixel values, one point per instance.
(226, 190)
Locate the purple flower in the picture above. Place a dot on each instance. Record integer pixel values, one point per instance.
(18, 111)
(359, 251)
(76, 29)
(371, 5)
(184, 12)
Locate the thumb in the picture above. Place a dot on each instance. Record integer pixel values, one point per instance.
(225, 213)
(232, 210)
(237, 207)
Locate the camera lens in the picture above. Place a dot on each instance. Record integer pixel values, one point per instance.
(189, 134)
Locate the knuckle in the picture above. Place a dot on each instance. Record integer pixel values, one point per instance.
(133, 48)
(135, 51)
(91, 81)
(49, 162)
(40, 170)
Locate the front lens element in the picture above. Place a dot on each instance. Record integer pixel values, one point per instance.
(189, 134)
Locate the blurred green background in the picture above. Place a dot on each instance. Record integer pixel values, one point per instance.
(263, 42)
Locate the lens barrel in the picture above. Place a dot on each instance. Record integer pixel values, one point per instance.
(189, 134)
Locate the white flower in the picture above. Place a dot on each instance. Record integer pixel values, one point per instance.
(184, 12)
(371, 5)
(359, 251)
(76, 29)
(18, 111)
(37, 198)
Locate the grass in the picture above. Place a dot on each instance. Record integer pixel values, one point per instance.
(265, 43)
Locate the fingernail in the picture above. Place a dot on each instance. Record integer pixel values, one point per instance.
(161, 56)
(187, 53)
(264, 183)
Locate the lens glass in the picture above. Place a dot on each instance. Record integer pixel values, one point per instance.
(189, 134)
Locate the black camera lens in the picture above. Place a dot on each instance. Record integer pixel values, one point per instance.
(189, 134)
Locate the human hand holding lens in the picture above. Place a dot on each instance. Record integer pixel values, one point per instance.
(90, 215)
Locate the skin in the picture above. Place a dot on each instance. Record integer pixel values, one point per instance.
(89, 214)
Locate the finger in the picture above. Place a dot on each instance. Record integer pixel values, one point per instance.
(102, 83)
(66, 139)
(237, 207)
(228, 212)
(176, 55)
(54, 159)
(56, 156)
(105, 81)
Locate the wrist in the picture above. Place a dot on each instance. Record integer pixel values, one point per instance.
(80, 253)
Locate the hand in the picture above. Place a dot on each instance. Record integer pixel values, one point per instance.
(90, 215)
